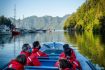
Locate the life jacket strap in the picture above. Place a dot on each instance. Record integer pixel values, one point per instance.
(29, 59)
(10, 66)
(75, 63)
(38, 54)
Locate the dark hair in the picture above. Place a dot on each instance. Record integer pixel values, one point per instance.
(66, 46)
(25, 47)
(68, 52)
(67, 49)
(64, 63)
(9, 69)
(35, 44)
(21, 59)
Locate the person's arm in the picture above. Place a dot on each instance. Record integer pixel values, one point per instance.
(45, 55)
(56, 64)
(36, 62)
(62, 55)
(79, 66)
(42, 54)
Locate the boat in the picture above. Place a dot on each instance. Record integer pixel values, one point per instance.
(53, 49)
(15, 32)
(32, 31)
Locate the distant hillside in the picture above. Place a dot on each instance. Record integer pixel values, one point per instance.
(89, 17)
(46, 22)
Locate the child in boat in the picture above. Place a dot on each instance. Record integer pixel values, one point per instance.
(31, 59)
(18, 63)
(69, 55)
(36, 50)
(64, 65)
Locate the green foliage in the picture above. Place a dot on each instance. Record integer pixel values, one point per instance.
(70, 22)
(102, 22)
(87, 17)
(5, 21)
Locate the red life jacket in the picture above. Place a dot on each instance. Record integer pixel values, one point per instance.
(56, 64)
(36, 52)
(63, 56)
(16, 65)
(33, 61)
(73, 56)
(25, 53)
(73, 61)
(76, 65)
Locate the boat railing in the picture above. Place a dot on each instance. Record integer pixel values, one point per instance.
(91, 65)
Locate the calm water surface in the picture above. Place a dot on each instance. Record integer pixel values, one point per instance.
(91, 46)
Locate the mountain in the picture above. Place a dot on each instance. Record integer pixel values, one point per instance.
(45, 22)
(89, 17)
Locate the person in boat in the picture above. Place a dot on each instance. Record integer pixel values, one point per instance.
(36, 50)
(75, 63)
(66, 47)
(18, 63)
(64, 65)
(70, 56)
(31, 59)
(26, 50)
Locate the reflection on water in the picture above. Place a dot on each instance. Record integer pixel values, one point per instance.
(91, 46)
(10, 46)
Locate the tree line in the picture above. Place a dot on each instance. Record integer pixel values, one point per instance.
(89, 17)
(6, 21)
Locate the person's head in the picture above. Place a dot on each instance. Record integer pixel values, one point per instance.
(36, 44)
(65, 47)
(21, 59)
(26, 47)
(67, 50)
(63, 64)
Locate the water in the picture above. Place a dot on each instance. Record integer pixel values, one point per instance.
(91, 46)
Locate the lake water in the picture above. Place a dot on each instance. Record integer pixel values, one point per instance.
(91, 46)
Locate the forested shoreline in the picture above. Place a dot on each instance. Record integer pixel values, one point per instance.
(89, 17)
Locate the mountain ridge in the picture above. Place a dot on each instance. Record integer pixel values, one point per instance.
(45, 22)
